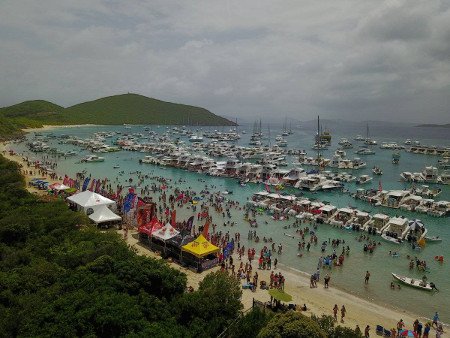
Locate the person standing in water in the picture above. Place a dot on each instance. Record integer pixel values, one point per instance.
(366, 279)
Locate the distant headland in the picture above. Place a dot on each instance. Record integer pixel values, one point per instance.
(113, 110)
(447, 125)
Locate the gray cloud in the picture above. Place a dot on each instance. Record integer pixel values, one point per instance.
(347, 59)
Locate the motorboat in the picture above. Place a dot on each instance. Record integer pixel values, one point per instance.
(415, 283)
(430, 174)
(196, 138)
(433, 239)
(365, 151)
(377, 170)
(363, 179)
(412, 177)
(376, 224)
(444, 177)
(93, 158)
(396, 229)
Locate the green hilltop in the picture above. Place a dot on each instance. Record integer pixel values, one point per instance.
(112, 110)
(138, 109)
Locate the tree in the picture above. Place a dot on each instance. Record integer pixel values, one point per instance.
(344, 332)
(250, 324)
(210, 309)
(292, 324)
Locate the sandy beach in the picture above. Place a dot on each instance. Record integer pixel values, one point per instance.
(46, 127)
(318, 300)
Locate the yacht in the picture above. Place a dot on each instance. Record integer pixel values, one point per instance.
(377, 170)
(395, 230)
(342, 217)
(363, 179)
(196, 138)
(412, 177)
(430, 174)
(376, 224)
(444, 177)
(93, 158)
(359, 138)
(365, 151)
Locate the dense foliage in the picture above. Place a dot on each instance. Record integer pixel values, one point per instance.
(59, 278)
(31, 109)
(138, 109)
(296, 325)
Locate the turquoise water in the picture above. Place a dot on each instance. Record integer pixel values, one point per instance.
(350, 276)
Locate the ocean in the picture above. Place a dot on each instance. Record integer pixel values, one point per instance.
(349, 277)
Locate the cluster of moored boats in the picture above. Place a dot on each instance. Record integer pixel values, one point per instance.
(429, 174)
(414, 200)
(392, 229)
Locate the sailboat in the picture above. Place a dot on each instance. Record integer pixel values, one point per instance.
(285, 132)
(368, 140)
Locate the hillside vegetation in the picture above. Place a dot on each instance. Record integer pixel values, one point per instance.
(138, 109)
(60, 277)
(117, 109)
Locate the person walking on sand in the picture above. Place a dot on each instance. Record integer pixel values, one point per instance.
(366, 279)
(327, 281)
(343, 312)
(335, 311)
(435, 319)
(426, 332)
(366, 332)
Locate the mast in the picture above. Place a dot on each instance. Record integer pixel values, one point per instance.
(318, 141)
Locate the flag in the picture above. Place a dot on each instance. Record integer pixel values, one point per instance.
(188, 228)
(128, 202)
(85, 183)
(228, 250)
(91, 187)
(98, 185)
(380, 187)
(173, 218)
(206, 229)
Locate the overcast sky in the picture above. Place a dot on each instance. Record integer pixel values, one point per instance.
(359, 60)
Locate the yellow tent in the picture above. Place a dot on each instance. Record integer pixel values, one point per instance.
(200, 247)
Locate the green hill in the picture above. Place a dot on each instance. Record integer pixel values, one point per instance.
(138, 109)
(118, 109)
(32, 109)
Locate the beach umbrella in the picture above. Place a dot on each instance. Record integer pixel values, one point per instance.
(408, 333)
(280, 295)
(415, 224)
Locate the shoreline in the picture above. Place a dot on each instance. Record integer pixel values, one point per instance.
(319, 300)
(47, 127)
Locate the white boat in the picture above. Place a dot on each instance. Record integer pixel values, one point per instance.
(365, 151)
(93, 158)
(416, 283)
(433, 239)
(363, 179)
(391, 239)
(377, 171)
(396, 229)
(196, 138)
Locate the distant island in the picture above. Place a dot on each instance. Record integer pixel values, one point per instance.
(111, 110)
(447, 125)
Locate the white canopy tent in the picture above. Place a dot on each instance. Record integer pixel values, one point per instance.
(166, 232)
(104, 214)
(88, 199)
